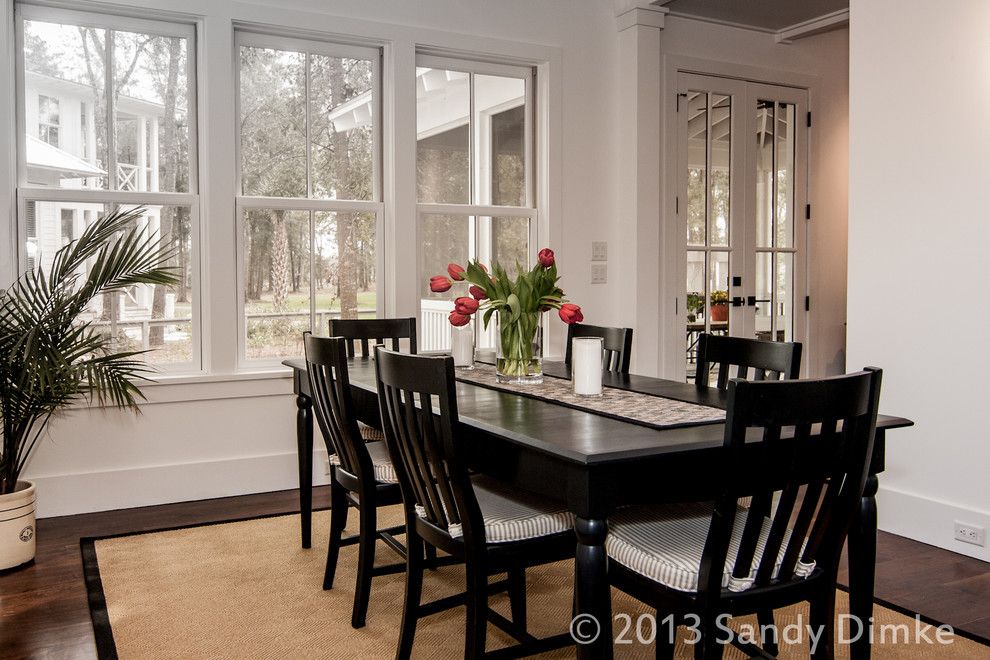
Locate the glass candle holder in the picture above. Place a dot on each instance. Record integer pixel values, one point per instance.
(462, 346)
(586, 365)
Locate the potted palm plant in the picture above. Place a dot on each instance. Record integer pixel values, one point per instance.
(52, 358)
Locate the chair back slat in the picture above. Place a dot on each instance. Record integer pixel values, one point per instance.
(770, 360)
(326, 365)
(805, 473)
(364, 331)
(616, 344)
(434, 480)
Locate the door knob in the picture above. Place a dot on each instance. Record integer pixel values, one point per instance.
(752, 300)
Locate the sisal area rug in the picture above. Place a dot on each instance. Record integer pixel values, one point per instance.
(247, 590)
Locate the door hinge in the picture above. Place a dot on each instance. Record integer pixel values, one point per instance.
(807, 303)
(678, 98)
(809, 120)
(677, 205)
(807, 211)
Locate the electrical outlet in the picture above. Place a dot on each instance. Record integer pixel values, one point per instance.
(599, 273)
(599, 251)
(971, 533)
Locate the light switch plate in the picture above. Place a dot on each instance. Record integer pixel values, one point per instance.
(599, 251)
(599, 273)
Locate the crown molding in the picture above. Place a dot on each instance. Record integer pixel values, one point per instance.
(834, 21)
(639, 12)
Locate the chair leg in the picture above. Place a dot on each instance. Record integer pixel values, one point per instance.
(338, 520)
(477, 609)
(431, 556)
(517, 596)
(708, 647)
(414, 590)
(823, 622)
(366, 561)
(768, 631)
(666, 638)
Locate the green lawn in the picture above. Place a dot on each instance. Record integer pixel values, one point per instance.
(299, 302)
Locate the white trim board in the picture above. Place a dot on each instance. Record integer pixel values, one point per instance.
(70, 494)
(928, 520)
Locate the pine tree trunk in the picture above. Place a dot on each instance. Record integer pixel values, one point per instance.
(346, 232)
(280, 262)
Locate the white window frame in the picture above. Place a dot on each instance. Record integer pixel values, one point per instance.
(251, 37)
(474, 212)
(57, 125)
(31, 193)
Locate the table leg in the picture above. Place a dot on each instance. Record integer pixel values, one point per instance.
(304, 442)
(862, 568)
(592, 592)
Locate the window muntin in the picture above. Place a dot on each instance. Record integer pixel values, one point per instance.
(133, 147)
(310, 207)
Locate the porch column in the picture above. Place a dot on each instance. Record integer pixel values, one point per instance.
(634, 258)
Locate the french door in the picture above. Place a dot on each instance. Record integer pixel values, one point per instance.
(741, 199)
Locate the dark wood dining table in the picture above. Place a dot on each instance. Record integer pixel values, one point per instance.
(596, 463)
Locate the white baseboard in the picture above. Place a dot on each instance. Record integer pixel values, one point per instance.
(67, 494)
(928, 520)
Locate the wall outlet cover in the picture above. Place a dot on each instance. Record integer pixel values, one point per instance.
(599, 251)
(968, 533)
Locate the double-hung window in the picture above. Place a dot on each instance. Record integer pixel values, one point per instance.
(131, 83)
(309, 208)
(474, 177)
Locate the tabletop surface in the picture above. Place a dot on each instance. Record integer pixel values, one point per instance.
(576, 435)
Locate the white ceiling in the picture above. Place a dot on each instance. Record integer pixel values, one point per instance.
(771, 15)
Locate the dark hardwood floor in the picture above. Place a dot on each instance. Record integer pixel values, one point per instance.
(44, 614)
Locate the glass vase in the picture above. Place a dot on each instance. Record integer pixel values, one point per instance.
(519, 353)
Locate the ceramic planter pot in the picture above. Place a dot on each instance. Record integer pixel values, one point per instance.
(720, 312)
(17, 526)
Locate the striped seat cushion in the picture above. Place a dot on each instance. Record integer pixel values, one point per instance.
(665, 545)
(513, 515)
(380, 461)
(370, 433)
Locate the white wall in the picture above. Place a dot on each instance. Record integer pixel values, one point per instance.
(209, 437)
(918, 231)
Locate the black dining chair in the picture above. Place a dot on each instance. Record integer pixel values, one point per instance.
(707, 559)
(769, 360)
(361, 473)
(617, 343)
(366, 334)
(491, 527)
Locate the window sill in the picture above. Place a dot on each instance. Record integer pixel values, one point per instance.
(208, 387)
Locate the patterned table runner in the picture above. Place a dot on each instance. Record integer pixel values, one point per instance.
(645, 409)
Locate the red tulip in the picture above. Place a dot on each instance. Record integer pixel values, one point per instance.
(570, 313)
(439, 284)
(477, 292)
(458, 320)
(483, 266)
(545, 257)
(456, 272)
(465, 305)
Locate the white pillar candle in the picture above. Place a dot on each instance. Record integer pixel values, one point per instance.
(462, 346)
(586, 365)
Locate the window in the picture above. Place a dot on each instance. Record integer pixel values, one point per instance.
(310, 203)
(48, 119)
(133, 145)
(68, 225)
(474, 177)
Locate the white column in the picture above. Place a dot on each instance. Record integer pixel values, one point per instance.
(153, 156)
(635, 253)
(141, 176)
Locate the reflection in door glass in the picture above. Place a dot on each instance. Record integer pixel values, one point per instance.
(764, 172)
(784, 222)
(720, 160)
(697, 167)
